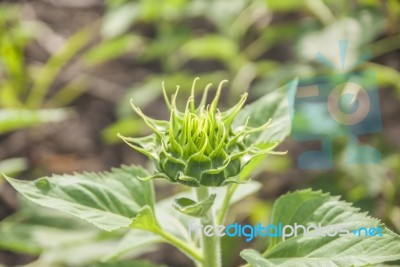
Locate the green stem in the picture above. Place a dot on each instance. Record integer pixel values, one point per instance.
(210, 244)
(225, 205)
(181, 245)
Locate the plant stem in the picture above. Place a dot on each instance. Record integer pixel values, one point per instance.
(225, 205)
(181, 245)
(210, 244)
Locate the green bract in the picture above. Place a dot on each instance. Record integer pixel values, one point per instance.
(198, 147)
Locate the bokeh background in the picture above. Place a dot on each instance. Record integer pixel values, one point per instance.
(68, 70)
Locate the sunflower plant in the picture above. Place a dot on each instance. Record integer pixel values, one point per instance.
(211, 153)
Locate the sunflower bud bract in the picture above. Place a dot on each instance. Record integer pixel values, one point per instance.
(199, 146)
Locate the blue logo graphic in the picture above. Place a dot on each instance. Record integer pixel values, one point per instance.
(338, 104)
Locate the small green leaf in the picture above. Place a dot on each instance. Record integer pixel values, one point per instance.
(307, 208)
(193, 208)
(109, 200)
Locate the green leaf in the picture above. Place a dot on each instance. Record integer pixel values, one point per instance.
(307, 208)
(275, 106)
(109, 200)
(192, 208)
(14, 119)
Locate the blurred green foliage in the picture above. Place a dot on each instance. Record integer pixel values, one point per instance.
(25, 88)
(239, 41)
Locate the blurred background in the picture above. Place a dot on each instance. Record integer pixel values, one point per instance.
(68, 70)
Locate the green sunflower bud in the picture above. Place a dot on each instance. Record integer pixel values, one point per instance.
(199, 146)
